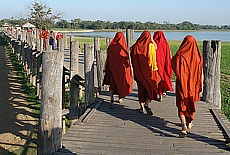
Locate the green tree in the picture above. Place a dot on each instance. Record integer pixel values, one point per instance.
(63, 24)
(41, 15)
(75, 23)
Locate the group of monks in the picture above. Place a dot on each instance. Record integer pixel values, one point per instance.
(45, 35)
(152, 66)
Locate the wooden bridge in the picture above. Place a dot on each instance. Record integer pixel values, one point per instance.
(123, 130)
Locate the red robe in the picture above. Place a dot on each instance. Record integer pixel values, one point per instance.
(118, 69)
(163, 55)
(59, 36)
(187, 65)
(146, 78)
(45, 35)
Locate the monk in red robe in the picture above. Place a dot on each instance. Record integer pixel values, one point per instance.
(145, 72)
(187, 65)
(163, 56)
(44, 34)
(58, 37)
(118, 73)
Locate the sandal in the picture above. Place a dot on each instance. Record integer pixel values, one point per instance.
(120, 100)
(183, 132)
(143, 110)
(148, 110)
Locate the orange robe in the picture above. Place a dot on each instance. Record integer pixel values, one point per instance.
(146, 78)
(118, 69)
(45, 35)
(163, 62)
(59, 36)
(187, 65)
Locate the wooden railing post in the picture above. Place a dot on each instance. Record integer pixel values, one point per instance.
(30, 64)
(74, 88)
(96, 45)
(129, 37)
(65, 40)
(42, 44)
(50, 123)
(24, 35)
(101, 59)
(71, 38)
(74, 52)
(108, 40)
(211, 69)
(39, 74)
(38, 40)
(89, 73)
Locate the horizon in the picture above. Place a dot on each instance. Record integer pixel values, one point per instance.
(205, 12)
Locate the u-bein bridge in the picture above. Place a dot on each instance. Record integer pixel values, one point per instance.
(97, 129)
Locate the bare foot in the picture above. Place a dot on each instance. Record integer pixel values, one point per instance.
(143, 110)
(190, 125)
(160, 98)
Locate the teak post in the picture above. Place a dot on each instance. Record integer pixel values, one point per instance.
(129, 37)
(50, 123)
(74, 87)
(211, 69)
(89, 73)
(101, 59)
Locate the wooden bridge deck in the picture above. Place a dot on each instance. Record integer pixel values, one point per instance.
(123, 130)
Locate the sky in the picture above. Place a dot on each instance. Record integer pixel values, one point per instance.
(203, 12)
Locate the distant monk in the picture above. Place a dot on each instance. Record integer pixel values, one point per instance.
(187, 65)
(58, 37)
(44, 34)
(163, 55)
(118, 73)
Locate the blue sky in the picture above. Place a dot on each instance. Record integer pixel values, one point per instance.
(213, 12)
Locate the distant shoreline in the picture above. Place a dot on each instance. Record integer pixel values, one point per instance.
(69, 31)
(123, 30)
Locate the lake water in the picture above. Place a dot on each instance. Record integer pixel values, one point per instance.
(174, 35)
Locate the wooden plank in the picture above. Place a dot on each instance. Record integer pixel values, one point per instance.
(225, 128)
(123, 130)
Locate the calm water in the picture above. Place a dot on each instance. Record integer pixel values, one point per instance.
(200, 36)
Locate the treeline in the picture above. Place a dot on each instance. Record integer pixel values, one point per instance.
(99, 24)
(96, 25)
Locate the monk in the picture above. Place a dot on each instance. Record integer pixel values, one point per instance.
(44, 34)
(163, 56)
(143, 58)
(118, 73)
(187, 65)
(58, 37)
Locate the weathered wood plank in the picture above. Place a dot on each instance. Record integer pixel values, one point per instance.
(123, 130)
